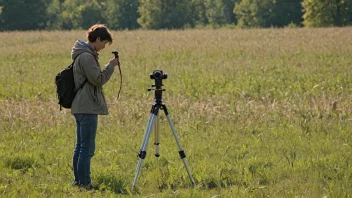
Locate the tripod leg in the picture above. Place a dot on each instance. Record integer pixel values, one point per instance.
(181, 152)
(156, 131)
(145, 133)
(142, 153)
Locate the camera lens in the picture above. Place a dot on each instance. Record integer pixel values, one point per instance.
(157, 75)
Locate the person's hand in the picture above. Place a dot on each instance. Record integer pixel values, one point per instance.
(115, 62)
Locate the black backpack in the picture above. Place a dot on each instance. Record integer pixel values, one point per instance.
(65, 86)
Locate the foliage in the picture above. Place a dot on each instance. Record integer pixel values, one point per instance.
(246, 11)
(318, 13)
(198, 13)
(151, 14)
(55, 19)
(172, 14)
(287, 12)
(79, 14)
(267, 13)
(122, 14)
(219, 12)
(163, 14)
(23, 14)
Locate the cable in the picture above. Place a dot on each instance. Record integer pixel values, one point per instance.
(116, 53)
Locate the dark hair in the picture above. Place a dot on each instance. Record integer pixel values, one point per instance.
(99, 30)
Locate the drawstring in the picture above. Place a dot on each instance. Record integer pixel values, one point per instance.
(116, 53)
(118, 95)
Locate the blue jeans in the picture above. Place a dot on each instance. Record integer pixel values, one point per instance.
(86, 130)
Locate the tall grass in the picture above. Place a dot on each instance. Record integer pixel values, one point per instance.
(259, 113)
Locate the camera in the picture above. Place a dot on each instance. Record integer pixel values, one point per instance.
(158, 75)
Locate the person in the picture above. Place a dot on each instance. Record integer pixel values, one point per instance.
(89, 101)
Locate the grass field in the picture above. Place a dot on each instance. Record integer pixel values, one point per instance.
(259, 113)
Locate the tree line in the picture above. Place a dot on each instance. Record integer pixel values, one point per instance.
(171, 14)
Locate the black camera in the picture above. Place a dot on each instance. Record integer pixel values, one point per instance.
(158, 74)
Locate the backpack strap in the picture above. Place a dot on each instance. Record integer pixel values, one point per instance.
(81, 85)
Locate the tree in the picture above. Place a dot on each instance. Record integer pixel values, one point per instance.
(250, 13)
(150, 14)
(1, 20)
(215, 12)
(287, 12)
(268, 13)
(198, 13)
(159, 14)
(122, 14)
(23, 14)
(78, 14)
(323, 13)
(54, 11)
(228, 11)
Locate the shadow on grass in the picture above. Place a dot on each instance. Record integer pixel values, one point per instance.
(18, 162)
(111, 183)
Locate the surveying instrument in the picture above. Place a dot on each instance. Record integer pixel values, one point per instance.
(158, 76)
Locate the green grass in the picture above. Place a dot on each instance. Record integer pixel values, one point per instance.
(259, 113)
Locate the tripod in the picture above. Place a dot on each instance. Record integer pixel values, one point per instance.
(154, 121)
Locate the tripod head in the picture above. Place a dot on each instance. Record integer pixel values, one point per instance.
(158, 76)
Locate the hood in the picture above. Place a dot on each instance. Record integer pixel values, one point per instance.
(80, 47)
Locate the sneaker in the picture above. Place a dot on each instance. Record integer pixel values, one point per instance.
(89, 187)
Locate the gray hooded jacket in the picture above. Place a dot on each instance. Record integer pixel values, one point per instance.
(90, 98)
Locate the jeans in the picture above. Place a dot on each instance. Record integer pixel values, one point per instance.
(86, 130)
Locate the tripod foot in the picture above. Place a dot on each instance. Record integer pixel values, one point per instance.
(142, 154)
(135, 190)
